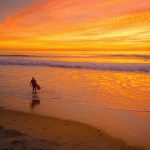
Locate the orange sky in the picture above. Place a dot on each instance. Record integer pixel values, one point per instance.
(77, 24)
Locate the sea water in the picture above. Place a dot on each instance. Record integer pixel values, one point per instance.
(108, 90)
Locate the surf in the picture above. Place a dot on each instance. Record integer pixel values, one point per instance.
(134, 67)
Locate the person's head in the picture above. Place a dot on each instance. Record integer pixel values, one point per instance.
(32, 77)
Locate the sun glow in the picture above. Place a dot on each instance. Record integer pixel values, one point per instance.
(76, 24)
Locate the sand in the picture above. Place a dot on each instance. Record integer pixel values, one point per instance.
(23, 131)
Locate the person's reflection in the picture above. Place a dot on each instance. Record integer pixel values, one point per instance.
(35, 100)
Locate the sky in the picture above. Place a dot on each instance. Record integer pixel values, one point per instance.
(75, 24)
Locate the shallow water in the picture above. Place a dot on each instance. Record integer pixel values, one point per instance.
(118, 102)
(96, 60)
(108, 90)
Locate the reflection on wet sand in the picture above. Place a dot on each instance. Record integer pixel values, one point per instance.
(119, 101)
(35, 100)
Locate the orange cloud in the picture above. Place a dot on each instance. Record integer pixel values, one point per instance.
(109, 24)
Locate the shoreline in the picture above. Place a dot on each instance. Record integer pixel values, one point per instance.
(54, 133)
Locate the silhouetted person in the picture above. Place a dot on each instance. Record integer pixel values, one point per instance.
(33, 83)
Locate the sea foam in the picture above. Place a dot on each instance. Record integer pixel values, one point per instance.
(138, 67)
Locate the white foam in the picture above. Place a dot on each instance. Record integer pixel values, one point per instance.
(79, 65)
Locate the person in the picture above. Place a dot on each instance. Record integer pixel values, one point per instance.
(33, 83)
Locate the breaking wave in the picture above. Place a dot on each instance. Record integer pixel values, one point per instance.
(137, 67)
(80, 56)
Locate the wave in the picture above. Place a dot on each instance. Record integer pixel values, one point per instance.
(124, 56)
(82, 56)
(13, 55)
(79, 65)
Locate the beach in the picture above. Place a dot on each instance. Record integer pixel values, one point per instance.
(21, 131)
(74, 75)
(83, 90)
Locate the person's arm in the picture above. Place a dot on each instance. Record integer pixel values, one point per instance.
(30, 83)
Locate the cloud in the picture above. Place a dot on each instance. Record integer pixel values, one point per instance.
(76, 21)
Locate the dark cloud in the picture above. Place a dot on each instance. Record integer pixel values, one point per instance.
(8, 7)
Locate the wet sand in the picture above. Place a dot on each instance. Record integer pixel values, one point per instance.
(21, 131)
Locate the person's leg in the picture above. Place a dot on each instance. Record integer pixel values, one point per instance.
(35, 89)
(32, 89)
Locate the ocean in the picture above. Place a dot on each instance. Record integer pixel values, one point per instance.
(108, 90)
